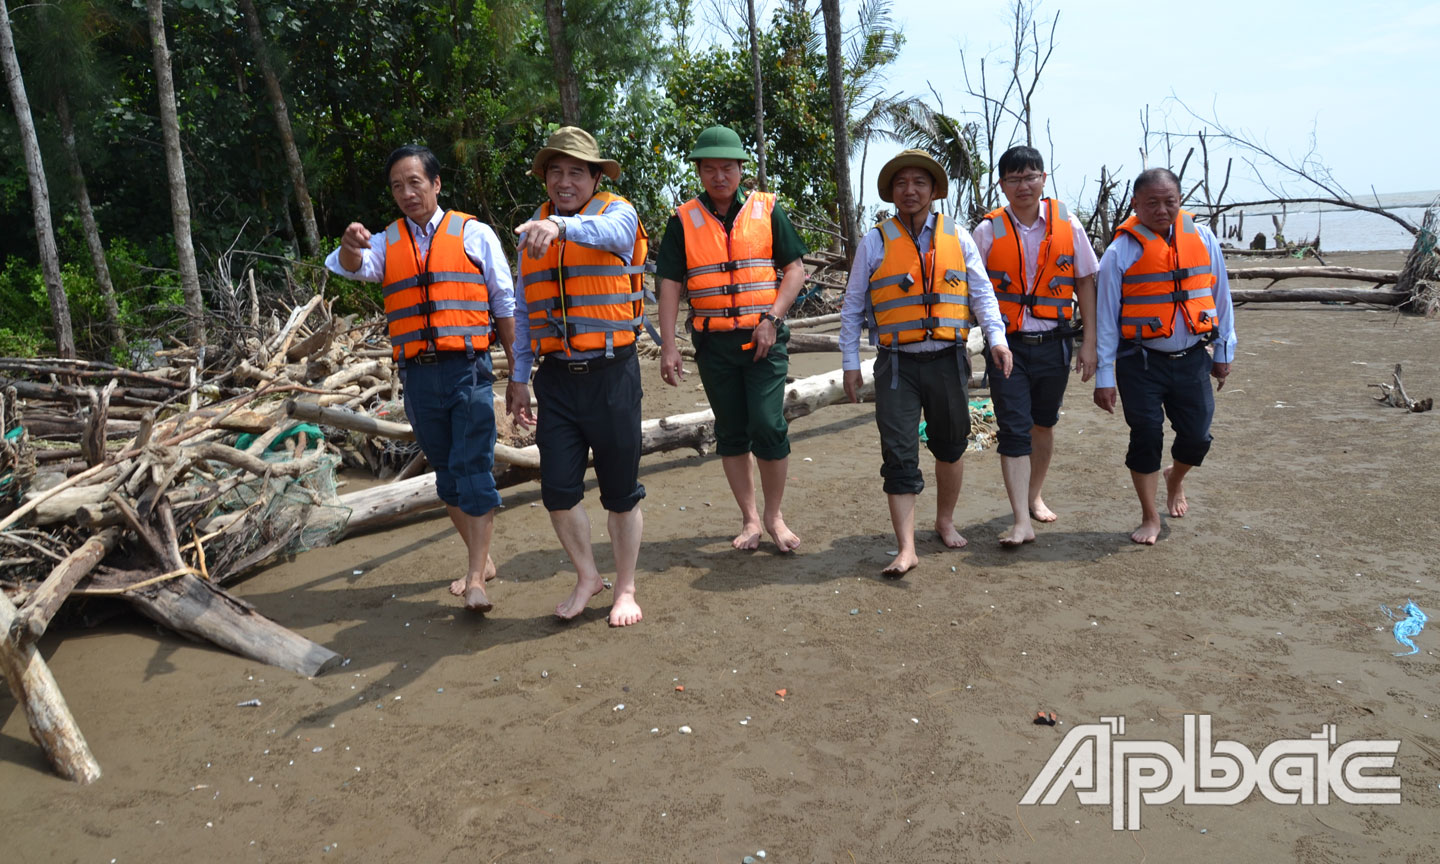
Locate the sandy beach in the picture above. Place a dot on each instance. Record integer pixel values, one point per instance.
(905, 731)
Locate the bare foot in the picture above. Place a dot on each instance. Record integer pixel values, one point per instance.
(903, 563)
(1040, 513)
(949, 536)
(475, 599)
(782, 535)
(458, 586)
(575, 603)
(1017, 537)
(1175, 502)
(625, 610)
(1146, 534)
(748, 538)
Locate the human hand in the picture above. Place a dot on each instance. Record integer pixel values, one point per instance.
(1105, 398)
(1002, 357)
(672, 366)
(536, 236)
(356, 238)
(517, 402)
(853, 381)
(1086, 360)
(763, 337)
(1220, 371)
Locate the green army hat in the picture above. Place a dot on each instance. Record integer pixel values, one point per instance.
(719, 142)
(913, 159)
(573, 141)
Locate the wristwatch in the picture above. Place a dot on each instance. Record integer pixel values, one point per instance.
(559, 223)
(766, 316)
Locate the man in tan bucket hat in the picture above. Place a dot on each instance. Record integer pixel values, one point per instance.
(578, 308)
(919, 284)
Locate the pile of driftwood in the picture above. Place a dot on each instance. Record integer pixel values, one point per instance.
(133, 484)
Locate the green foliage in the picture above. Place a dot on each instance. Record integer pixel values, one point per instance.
(716, 86)
(471, 79)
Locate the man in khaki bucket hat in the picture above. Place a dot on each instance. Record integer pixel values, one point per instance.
(579, 305)
(919, 284)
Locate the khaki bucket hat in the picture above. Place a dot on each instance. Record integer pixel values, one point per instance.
(913, 159)
(573, 141)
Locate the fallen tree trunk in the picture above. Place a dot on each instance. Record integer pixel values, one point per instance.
(51, 723)
(30, 623)
(1320, 295)
(1358, 274)
(192, 606)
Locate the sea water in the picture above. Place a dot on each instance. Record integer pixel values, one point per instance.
(1339, 229)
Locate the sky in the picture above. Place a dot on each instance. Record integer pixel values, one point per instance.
(1363, 77)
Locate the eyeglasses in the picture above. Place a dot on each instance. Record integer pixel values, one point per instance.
(1022, 180)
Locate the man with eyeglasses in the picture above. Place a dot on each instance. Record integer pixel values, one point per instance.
(1163, 298)
(1041, 263)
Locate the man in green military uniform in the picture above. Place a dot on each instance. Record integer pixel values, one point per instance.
(740, 265)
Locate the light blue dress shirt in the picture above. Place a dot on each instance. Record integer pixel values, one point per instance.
(612, 231)
(857, 294)
(1123, 254)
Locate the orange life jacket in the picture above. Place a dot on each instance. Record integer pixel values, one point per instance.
(580, 298)
(907, 303)
(1167, 274)
(730, 276)
(440, 302)
(1005, 265)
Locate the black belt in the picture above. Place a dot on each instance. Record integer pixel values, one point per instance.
(1176, 355)
(428, 358)
(1041, 337)
(556, 360)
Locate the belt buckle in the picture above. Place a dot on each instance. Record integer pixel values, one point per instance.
(577, 368)
(425, 358)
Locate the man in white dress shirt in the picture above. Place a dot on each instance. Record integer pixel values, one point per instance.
(447, 294)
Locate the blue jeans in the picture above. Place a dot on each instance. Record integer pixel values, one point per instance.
(452, 410)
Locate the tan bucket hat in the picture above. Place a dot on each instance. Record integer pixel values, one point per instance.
(913, 159)
(573, 141)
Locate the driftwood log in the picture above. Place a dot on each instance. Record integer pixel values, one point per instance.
(29, 624)
(205, 611)
(51, 723)
(1321, 295)
(1356, 274)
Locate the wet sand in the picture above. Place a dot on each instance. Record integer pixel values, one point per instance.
(905, 734)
